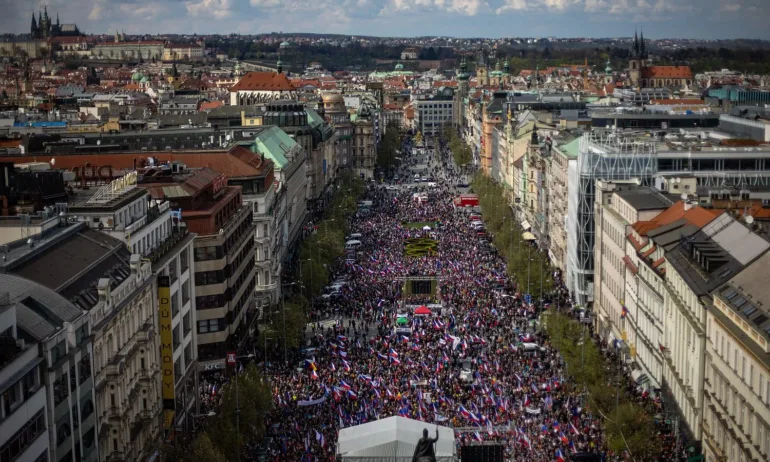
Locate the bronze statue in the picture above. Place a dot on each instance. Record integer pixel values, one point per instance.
(424, 452)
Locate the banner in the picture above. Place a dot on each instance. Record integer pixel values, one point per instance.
(311, 402)
(533, 411)
(166, 350)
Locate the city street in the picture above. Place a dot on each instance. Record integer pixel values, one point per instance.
(474, 363)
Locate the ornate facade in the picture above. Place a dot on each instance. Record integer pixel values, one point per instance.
(642, 75)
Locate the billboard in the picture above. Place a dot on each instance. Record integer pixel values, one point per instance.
(166, 350)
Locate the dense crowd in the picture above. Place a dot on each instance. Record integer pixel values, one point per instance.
(476, 363)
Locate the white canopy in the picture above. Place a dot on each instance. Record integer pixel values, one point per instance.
(392, 440)
(426, 228)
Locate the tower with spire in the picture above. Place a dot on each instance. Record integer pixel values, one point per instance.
(637, 60)
(44, 27)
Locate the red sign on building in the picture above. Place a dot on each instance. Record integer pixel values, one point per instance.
(231, 355)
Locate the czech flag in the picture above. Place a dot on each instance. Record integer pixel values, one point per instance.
(393, 353)
(310, 364)
(346, 365)
(555, 426)
(563, 438)
(477, 437)
(560, 456)
(320, 438)
(395, 361)
(344, 385)
(352, 395)
(365, 378)
(574, 429)
(464, 412)
(313, 375)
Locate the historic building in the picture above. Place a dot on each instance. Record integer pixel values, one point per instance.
(262, 87)
(44, 27)
(364, 144)
(641, 74)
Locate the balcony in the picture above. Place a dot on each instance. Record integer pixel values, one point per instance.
(113, 413)
(115, 456)
(147, 374)
(177, 235)
(266, 287)
(146, 332)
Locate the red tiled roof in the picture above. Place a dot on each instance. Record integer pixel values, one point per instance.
(637, 245)
(697, 216)
(667, 72)
(444, 83)
(210, 105)
(266, 81)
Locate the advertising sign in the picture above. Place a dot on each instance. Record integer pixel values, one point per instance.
(166, 349)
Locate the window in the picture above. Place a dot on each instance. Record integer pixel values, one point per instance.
(206, 253)
(210, 325)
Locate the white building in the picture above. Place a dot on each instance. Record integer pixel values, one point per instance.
(59, 334)
(562, 156)
(431, 114)
(736, 422)
(701, 264)
(261, 87)
(23, 410)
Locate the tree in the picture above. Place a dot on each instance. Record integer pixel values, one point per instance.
(204, 449)
(388, 147)
(242, 415)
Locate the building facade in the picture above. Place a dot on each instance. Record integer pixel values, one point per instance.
(432, 113)
(23, 408)
(223, 259)
(736, 422)
(561, 158)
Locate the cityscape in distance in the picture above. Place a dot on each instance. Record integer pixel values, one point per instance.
(410, 230)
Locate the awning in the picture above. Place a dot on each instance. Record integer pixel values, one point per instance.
(423, 310)
(525, 224)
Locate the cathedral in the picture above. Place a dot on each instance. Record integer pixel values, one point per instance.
(642, 75)
(44, 28)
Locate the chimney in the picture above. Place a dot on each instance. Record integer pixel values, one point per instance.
(103, 288)
(135, 263)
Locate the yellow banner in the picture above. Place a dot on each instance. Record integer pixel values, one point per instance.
(166, 349)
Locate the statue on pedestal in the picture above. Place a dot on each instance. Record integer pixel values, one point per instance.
(424, 452)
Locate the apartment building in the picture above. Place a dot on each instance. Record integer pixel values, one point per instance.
(223, 258)
(699, 265)
(645, 265)
(618, 205)
(563, 158)
(23, 409)
(736, 422)
(52, 337)
(149, 228)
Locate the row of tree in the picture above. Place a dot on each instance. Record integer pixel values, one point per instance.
(461, 152)
(627, 425)
(223, 436)
(388, 149)
(527, 266)
(327, 242)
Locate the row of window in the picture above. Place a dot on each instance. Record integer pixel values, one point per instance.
(23, 438)
(203, 278)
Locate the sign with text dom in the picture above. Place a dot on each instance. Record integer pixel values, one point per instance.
(166, 349)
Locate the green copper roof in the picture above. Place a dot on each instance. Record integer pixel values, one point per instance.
(313, 118)
(274, 143)
(570, 149)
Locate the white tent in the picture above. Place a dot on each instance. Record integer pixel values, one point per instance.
(392, 440)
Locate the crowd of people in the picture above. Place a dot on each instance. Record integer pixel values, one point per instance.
(477, 363)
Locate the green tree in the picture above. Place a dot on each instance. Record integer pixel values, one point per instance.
(241, 418)
(295, 323)
(388, 147)
(204, 449)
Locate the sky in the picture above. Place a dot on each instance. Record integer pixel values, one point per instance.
(702, 19)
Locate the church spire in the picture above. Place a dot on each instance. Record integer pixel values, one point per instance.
(636, 43)
(642, 48)
(33, 27)
(45, 8)
(57, 20)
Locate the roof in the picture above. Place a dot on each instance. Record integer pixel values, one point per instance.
(667, 72)
(677, 101)
(274, 143)
(391, 436)
(697, 216)
(40, 311)
(570, 149)
(210, 105)
(735, 238)
(73, 263)
(263, 81)
(644, 198)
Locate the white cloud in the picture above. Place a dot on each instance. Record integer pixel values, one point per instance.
(730, 7)
(464, 7)
(266, 3)
(218, 9)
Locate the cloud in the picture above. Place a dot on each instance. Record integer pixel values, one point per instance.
(463, 7)
(219, 9)
(731, 7)
(525, 5)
